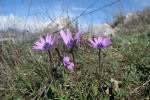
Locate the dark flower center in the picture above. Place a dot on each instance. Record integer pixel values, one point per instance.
(100, 45)
(46, 45)
(71, 42)
(67, 63)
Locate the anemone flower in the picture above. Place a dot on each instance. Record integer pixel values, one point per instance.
(67, 63)
(100, 42)
(45, 44)
(69, 42)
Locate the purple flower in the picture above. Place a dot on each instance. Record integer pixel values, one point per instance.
(100, 42)
(45, 44)
(67, 63)
(69, 42)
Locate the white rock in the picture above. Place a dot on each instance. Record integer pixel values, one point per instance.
(102, 30)
(116, 84)
(131, 16)
(58, 24)
(7, 39)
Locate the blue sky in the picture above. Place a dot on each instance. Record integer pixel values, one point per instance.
(56, 9)
(20, 7)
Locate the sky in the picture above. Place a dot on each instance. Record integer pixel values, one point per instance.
(37, 14)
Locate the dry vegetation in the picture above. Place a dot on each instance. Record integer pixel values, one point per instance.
(25, 74)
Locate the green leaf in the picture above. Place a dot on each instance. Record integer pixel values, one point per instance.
(54, 89)
(95, 90)
(108, 84)
(20, 98)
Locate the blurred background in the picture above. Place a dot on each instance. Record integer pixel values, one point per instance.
(19, 19)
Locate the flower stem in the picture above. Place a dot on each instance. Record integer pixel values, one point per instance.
(99, 53)
(50, 67)
(99, 75)
(50, 57)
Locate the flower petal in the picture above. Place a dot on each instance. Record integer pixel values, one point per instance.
(77, 37)
(100, 39)
(38, 44)
(92, 42)
(37, 48)
(94, 46)
(47, 38)
(106, 42)
(55, 39)
(64, 37)
(42, 40)
(65, 44)
(70, 67)
(66, 59)
(50, 38)
(73, 44)
(69, 35)
(96, 41)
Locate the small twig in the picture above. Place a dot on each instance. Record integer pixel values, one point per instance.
(84, 12)
(102, 89)
(41, 91)
(48, 87)
(142, 86)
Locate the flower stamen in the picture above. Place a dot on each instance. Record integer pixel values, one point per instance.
(46, 45)
(100, 45)
(67, 63)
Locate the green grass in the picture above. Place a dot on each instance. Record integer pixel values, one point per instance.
(26, 73)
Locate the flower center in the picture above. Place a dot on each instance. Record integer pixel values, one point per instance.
(46, 45)
(70, 44)
(100, 45)
(67, 63)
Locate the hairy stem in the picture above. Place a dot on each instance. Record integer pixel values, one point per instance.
(50, 67)
(50, 57)
(99, 75)
(99, 54)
